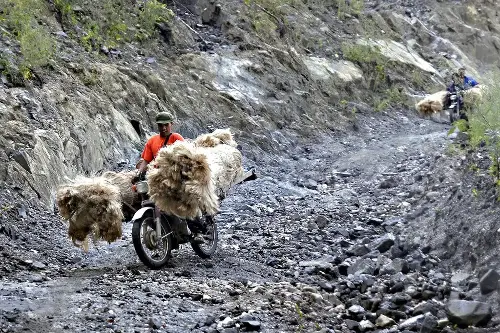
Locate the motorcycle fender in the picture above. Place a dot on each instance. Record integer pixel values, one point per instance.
(140, 213)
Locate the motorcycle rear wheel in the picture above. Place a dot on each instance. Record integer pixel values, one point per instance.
(153, 253)
(208, 248)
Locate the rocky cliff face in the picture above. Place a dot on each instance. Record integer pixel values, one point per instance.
(90, 113)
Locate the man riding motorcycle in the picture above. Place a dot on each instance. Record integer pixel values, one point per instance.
(165, 137)
(467, 81)
(459, 80)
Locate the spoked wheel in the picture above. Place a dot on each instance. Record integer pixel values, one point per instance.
(211, 237)
(152, 251)
(454, 115)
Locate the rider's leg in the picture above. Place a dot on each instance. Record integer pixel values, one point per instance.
(197, 227)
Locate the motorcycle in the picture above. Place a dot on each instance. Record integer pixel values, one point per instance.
(455, 107)
(155, 234)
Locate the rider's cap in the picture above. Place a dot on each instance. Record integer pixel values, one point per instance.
(164, 118)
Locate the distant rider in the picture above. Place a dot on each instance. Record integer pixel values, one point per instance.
(466, 81)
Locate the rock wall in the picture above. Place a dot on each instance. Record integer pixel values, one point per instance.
(92, 113)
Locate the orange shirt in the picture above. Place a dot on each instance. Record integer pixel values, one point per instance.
(155, 143)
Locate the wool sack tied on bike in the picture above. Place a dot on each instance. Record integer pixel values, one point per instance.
(94, 206)
(188, 178)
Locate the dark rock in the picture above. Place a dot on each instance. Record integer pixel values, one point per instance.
(384, 243)
(352, 325)
(322, 221)
(468, 313)
(394, 314)
(358, 251)
(388, 183)
(209, 320)
(10, 316)
(343, 268)
(401, 299)
(426, 249)
(371, 304)
(22, 158)
(375, 221)
(428, 294)
(211, 13)
(154, 322)
(326, 286)
(396, 288)
(250, 323)
(489, 282)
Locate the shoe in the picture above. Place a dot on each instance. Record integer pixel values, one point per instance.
(197, 239)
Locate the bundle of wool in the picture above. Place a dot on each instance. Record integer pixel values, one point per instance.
(92, 206)
(123, 180)
(225, 165)
(432, 103)
(217, 137)
(473, 95)
(188, 177)
(225, 161)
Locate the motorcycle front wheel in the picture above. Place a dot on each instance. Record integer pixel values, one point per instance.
(454, 115)
(211, 237)
(153, 252)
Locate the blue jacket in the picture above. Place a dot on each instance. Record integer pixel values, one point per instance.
(468, 81)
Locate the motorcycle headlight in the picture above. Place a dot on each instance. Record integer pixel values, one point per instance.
(142, 187)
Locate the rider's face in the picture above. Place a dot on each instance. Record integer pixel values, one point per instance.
(164, 129)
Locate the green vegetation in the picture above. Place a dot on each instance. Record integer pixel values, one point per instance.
(363, 54)
(300, 315)
(353, 7)
(268, 17)
(108, 23)
(375, 66)
(111, 23)
(37, 47)
(392, 97)
(484, 126)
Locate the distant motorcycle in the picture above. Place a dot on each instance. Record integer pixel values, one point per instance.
(455, 106)
(155, 234)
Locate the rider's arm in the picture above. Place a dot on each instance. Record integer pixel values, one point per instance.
(142, 166)
(147, 156)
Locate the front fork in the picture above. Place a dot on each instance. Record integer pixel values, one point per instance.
(157, 218)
